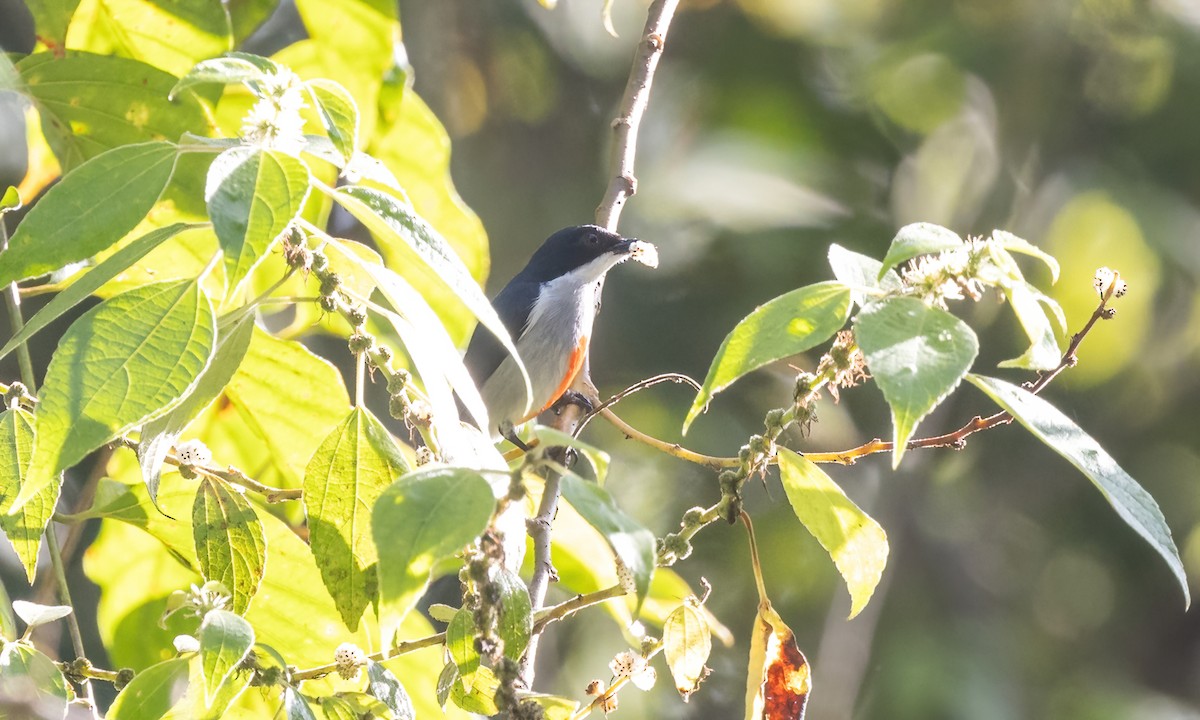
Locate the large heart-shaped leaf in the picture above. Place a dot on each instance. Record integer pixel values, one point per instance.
(347, 474)
(125, 361)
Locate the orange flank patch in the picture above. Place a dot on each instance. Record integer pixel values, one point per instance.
(574, 365)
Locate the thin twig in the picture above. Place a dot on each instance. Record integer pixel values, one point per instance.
(64, 593)
(675, 449)
(575, 604)
(12, 301)
(229, 474)
(623, 184)
(956, 439)
(678, 378)
(393, 652)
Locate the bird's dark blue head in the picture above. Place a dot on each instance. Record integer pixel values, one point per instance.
(572, 248)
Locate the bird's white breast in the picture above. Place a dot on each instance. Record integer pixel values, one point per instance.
(559, 320)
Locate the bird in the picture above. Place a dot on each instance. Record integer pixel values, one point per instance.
(548, 309)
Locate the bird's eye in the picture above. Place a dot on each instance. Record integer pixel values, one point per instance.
(592, 239)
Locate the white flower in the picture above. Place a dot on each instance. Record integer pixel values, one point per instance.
(274, 122)
(193, 453)
(285, 88)
(634, 666)
(349, 658)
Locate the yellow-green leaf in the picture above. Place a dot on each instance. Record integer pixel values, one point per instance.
(24, 528)
(423, 517)
(687, 642)
(230, 544)
(789, 324)
(125, 361)
(104, 198)
(253, 195)
(347, 474)
(857, 544)
(90, 103)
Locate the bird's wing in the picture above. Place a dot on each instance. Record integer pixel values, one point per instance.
(484, 352)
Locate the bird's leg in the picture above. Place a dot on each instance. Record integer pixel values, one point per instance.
(510, 434)
(573, 397)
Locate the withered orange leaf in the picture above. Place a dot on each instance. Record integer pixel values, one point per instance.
(779, 679)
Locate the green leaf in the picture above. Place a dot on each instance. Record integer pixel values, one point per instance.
(862, 274)
(230, 70)
(28, 674)
(91, 103)
(789, 324)
(295, 706)
(406, 123)
(1131, 501)
(104, 198)
(397, 226)
(361, 704)
(11, 201)
(446, 682)
(917, 355)
(123, 362)
(152, 692)
(50, 20)
(918, 239)
(171, 36)
(253, 195)
(432, 350)
(335, 708)
(1043, 352)
(597, 458)
(290, 425)
(855, 542)
(480, 699)
(34, 614)
(632, 543)
(460, 643)
(687, 642)
(225, 640)
(516, 613)
(24, 528)
(229, 540)
(131, 504)
(382, 684)
(1012, 243)
(159, 435)
(8, 622)
(423, 517)
(92, 281)
(347, 474)
(339, 115)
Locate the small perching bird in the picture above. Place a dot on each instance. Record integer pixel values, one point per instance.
(548, 308)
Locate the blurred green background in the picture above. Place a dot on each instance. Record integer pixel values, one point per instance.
(776, 128)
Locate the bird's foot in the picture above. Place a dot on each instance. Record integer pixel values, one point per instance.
(576, 398)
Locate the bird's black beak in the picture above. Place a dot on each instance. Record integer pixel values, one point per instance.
(624, 247)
